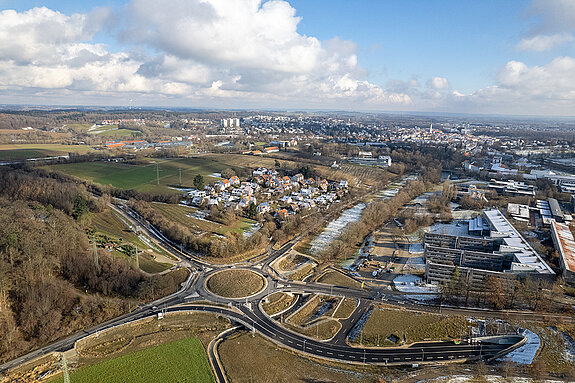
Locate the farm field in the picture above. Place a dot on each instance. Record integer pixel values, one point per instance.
(242, 160)
(143, 177)
(112, 131)
(179, 214)
(415, 326)
(12, 152)
(180, 361)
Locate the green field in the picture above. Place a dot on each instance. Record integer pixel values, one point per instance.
(180, 361)
(11, 152)
(179, 213)
(143, 177)
(116, 133)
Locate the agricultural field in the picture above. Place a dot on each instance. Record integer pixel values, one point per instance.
(181, 214)
(255, 359)
(249, 161)
(356, 175)
(112, 131)
(143, 177)
(415, 326)
(180, 361)
(14, 152)
(235, 283)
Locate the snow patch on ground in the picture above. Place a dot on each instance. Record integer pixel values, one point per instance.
(215, 175)
(416, 248)
(408, 283)
(526, 353)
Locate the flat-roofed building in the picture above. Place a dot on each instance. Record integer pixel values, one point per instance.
(556, 211)
(565, 246)
(503, 253)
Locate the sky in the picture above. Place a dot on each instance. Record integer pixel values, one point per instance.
(479, 57)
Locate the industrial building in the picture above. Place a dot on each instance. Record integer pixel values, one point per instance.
(498, 250)
(511, 187)
(565, 246)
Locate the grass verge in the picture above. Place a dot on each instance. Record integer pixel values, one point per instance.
(415, 326)
(339, 279)
(277, 302)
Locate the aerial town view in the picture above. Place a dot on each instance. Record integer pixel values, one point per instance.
(287, 191)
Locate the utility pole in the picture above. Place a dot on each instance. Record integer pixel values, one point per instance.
(157, 174)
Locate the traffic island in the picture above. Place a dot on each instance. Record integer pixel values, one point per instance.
(235, 283)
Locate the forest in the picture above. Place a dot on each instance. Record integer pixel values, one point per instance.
(51, 282)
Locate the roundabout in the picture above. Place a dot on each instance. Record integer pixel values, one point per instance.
(235, 283)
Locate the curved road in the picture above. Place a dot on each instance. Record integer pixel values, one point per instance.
(249, 314)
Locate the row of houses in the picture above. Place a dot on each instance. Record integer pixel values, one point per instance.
(282, 195)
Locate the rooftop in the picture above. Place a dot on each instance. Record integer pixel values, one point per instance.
(567, 244)
(514, 242)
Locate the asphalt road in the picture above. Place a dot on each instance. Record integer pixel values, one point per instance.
(252, 317)
(415, 353)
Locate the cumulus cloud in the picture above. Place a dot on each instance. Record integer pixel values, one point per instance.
(185, 49)
(542, 43)
(553, 25)
(523, 89)
(438, 83)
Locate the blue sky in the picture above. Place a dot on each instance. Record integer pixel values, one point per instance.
(500, 57)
